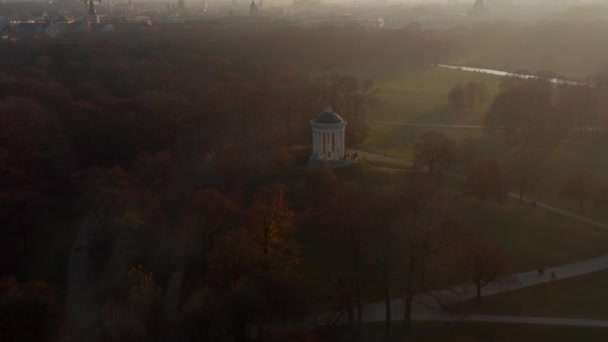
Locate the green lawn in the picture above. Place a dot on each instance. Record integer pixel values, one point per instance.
(419, 95)
(468, 331)
(580, 297)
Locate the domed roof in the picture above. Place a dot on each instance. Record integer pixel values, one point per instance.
(329, 116)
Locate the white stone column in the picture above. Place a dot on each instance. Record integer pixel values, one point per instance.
(342, 142)
(320, 144)
(340, 148)
(314, 144)
(327, 147)
(334, 139)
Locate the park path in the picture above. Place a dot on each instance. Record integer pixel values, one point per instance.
(576, 322)
(429, 305)
(427, 125)
(465, 126)
(81, 302)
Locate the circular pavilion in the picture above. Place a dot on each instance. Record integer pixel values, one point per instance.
(328, 137)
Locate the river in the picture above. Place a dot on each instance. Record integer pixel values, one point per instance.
(510, 74)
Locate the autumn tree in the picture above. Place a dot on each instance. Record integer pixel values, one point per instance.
(87, 129)
(486, 181)
(579, 107)
(524, 171)
(114, 202)
(271, 226)
(154, 175)
(109, 192)
(32, 311)
(524, 111)
(210, 213)
(271, 223)
(34, 164)
(457, 97)
(162, 116)
(351, 99)
(475, 93)
(136, 314)
(434, 150)
(579, 186)
(345, 221)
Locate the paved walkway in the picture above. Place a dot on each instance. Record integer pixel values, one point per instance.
(82, 306)
(577, 322)
(408, 124)
(466, 126)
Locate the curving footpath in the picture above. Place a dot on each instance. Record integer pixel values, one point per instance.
(429, 125)
(576, 322)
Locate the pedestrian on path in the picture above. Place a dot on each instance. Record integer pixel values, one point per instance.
(541, 271)
(553, 276)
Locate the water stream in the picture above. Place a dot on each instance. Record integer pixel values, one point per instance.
(510, 74)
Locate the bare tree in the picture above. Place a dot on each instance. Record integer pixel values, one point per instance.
(347, 218)
(482, 261)
(580, 186)
(457, 97)
(422, 207)
(486, 181)
(434, 150)
(524, 171)
(385, 243)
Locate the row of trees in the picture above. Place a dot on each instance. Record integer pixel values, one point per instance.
(520, 171)
(468, 95)
(537, 111)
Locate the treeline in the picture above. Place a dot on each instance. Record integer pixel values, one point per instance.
(530, 112)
